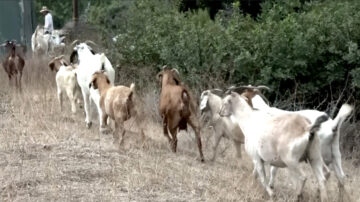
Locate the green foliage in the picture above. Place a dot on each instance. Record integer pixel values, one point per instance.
(303, 50)
(60, 10)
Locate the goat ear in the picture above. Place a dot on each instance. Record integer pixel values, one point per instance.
(203, 102)
(159, 76)
(93, 83)
(132, 89)
(130, 95)
(52, 66)
(73, 55)
(64, 63)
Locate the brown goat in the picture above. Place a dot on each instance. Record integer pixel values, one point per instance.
(177, 108)
(116, 102)
(13, 63)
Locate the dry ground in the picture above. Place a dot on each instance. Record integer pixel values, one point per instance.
(46, 155)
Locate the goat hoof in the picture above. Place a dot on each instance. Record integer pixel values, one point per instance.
(300, 197)
(327, 175)
(88, 125)
(105, 131)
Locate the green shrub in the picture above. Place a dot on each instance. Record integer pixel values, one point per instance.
(306, 52)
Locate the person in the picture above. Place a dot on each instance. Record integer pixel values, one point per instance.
(48, 26)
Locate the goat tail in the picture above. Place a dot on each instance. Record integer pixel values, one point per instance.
(102, 60)
(343, 113)
(316, 126)
(185, 97)
(132, 87)
(313, 151)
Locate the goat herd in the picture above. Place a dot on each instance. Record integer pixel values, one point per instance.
(271, 135)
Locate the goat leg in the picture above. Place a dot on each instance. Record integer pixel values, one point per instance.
(194, 124)
(71, 96)
(16, 82)
(259, 166)
(298, 174)
(273, 171)
(60, 99)
(20, 75)
(103, 126)
(174, 139)
(165, 128)
(119, 128)
(217, 141)
(87, 107)
(116, 133)
(9, 79)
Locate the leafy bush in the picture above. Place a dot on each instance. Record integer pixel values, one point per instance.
(306, 52)
(61, 10)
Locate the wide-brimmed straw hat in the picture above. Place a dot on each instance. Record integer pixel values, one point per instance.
(44, 9)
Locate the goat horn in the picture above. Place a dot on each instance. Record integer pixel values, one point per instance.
(263, 97)
(217, 91)
(59, 57)
(251, 87)
(234, 88)
(262, 87)
(230, 89)
(90, 42)
(175, 70)
(246, 87)
(164, 67)
(74, 43)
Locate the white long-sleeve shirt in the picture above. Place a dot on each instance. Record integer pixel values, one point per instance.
(49, 26)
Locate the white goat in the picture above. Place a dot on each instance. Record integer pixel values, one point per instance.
(223, 126)
(329, 134)
(280, 140)
(89, 63)
(65, 81)
(44, 43)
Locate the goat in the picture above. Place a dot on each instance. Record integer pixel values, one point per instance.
(89, 63)
(223, 126)
(116, 102)
(13, 63)
(177, 108)
(45, 43)
(329, 133)
(281, 140)
(65, 81)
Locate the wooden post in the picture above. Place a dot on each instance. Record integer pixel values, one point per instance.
(75, 11)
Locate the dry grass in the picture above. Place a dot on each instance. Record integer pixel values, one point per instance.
(46, 156)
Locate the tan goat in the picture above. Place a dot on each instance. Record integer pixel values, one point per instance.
(66, 81)
(177, 108)
(116, 102)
